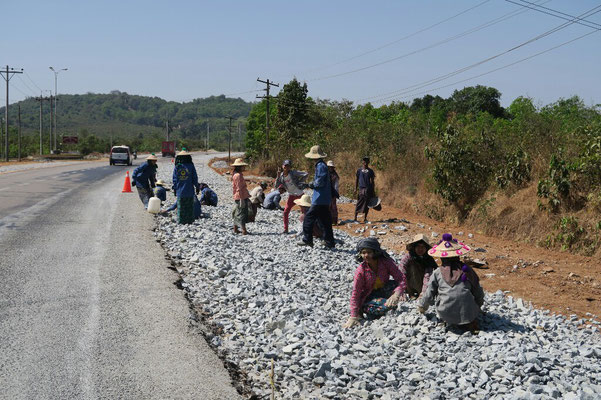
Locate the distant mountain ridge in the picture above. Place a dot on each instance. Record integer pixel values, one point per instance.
(125, 115)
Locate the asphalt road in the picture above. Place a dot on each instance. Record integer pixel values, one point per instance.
(88, 307)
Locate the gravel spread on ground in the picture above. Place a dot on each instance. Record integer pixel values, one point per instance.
(273, 300)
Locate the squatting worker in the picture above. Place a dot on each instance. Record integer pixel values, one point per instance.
(143, 177)
(207, 196)
(365, 186)
(257, 196)
(417, 265)
(185, 186)
(374, 292)
(161, 191)
(241, 197)
(454, 288)
(273, 198)
(320, 202)
(294, 183)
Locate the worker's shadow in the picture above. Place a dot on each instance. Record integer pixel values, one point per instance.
(492, 322)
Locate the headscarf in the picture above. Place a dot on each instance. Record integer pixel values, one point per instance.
(455, 271)
(373, 244)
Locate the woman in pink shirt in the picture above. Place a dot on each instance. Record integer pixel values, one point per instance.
(373, 291)
(241, 197)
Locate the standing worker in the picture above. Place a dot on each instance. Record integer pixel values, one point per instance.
(320, 202)
(335, 191)
(294, 183)
(241, 197)
(143, 179)
(185, 186)
(365, 185)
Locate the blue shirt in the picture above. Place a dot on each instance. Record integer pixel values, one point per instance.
(143, 176)
(208, 196)
(322, 185)
(272, 200)
(185, 180)
(366, 178)
(161, 193)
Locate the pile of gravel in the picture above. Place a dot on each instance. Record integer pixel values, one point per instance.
(273, 300)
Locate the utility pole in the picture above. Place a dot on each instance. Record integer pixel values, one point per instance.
(239, 138)
(41, 99)
(208, 128)
(268, 83)
(7, 75)
(167, 125)
(56, 72)
(19, 135)
(51, 119)
(229, 142)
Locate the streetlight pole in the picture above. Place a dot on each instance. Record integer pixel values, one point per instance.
(56, 98)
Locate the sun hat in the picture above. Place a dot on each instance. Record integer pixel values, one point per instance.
(160, 182)
(152, 157)
(287, 162)
(331, 164)
(448, 247)
(183, 153)
(374, 202)
(304, 201)
(420, 237)
(239, 163)
(315, 153)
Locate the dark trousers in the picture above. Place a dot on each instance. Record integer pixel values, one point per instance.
(322, 214)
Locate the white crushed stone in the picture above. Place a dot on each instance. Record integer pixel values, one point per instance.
(276, 301)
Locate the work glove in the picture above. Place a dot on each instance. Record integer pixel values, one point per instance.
(352, 321)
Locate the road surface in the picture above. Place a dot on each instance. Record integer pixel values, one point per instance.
(88, 308)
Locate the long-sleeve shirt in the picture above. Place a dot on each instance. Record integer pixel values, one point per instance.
(417, 272)
(209, 197)
(256, 195)
(458, 304)
(365, 278)
(239, 187)
(322, 186)
(143, 176)
(294, 182)
(272, 200)
(185, 180)
(161, 193)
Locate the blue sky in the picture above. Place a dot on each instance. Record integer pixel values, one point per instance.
(180, 50)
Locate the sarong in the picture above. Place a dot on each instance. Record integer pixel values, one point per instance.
(185, 210)
(362, 201)
(374, 304)
(240, 212)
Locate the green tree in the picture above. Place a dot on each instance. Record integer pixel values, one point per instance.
(475, 99)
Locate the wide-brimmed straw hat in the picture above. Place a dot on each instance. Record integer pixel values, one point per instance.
(183, 153)
(448, 247)
(239, 162)
(315, 153)
(304, 201)
(152, 157)
(420, 237)
(331, 164)
(160, 182)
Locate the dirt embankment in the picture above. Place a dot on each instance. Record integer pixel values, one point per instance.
(559, 281)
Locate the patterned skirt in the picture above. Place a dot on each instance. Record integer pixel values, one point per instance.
(240, 212)
(374, 304)
(185, 210)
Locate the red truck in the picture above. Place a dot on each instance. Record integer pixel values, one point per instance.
(168, 149)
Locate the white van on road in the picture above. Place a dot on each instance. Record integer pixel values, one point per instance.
(120, 154)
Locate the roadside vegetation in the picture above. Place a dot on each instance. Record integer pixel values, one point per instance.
(526, 172)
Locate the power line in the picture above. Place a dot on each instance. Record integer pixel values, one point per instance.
(475, 29)
(537, 7)
(593, 11)
(34, 84)
(27, 86)
(489, 72)
(402, 38)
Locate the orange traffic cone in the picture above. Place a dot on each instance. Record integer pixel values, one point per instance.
(126, 184)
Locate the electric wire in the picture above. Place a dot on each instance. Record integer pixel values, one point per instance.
(32, 81)
(398, 40)
(488, 72)
(593, 11)
(578, 20)
(26, 85)
(475, 29)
